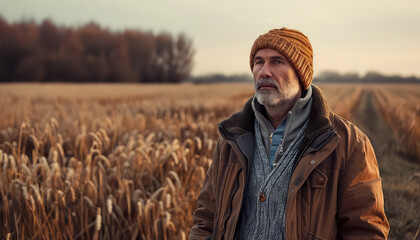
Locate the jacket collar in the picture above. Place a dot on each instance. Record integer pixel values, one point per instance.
(320, 115)
(239, 123)
(243, 121)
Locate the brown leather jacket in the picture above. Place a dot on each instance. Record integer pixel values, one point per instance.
(335, 191)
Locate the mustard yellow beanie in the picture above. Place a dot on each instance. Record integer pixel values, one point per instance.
(293, 45)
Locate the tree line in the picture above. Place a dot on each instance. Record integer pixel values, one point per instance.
(369, 77)
(45, 52)
(325, 76)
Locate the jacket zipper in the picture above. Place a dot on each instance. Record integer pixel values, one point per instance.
(281, 146)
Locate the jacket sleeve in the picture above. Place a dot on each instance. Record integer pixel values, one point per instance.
(206, 203)
(361, 213)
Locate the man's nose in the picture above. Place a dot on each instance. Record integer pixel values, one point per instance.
(265, 71)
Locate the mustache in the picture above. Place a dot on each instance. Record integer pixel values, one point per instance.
(264, 81)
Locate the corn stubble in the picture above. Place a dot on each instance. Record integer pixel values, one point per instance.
(120, 167)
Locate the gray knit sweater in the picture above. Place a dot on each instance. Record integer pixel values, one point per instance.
(263, 213)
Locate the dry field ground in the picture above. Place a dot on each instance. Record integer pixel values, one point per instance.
(127, 161)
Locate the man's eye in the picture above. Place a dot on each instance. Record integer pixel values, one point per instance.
(278, 62)
(259, 62)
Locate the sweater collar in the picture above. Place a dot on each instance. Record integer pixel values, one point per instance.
(300, 110)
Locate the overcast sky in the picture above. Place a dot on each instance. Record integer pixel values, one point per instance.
(347, 36)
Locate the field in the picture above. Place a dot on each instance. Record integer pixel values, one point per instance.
(128, 161)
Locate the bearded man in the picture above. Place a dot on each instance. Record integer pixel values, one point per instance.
(286, 167)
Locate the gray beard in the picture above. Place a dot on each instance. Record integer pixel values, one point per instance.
(273, 103)
(268, 100)
(274, 100)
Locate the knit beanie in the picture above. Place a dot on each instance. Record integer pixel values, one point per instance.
(293, 45)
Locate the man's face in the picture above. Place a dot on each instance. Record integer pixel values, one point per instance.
(276, 82)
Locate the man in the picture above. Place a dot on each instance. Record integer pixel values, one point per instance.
(286, 167)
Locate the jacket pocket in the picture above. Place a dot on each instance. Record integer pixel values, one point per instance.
(312, 236)
(318, 179)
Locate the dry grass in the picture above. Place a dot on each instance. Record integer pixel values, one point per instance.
(114, 161)
(400, 108)
(342, 99)
(109, 167)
